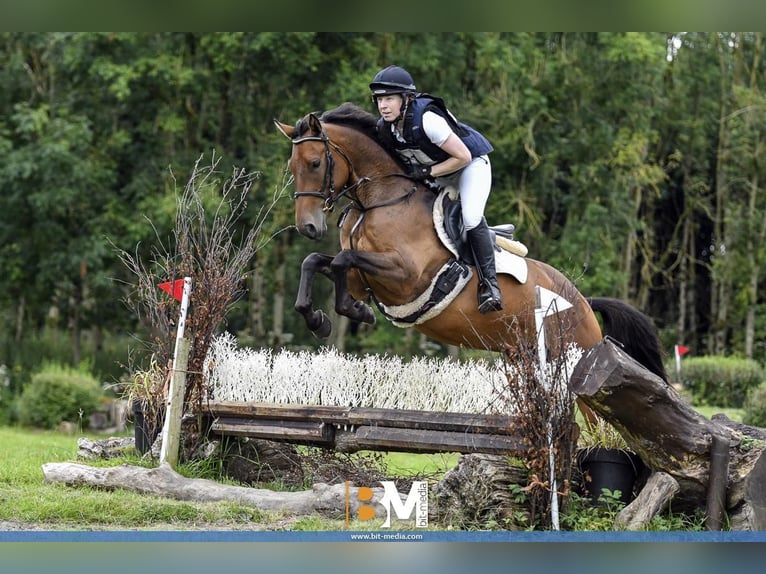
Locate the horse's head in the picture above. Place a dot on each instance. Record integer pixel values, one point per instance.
(318, 176)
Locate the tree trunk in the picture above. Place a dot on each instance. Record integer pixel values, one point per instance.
(20, 310)
(671, 437)
(720, 292)
(324, 499)
(258, 299)
(278, 298)
(75, 321)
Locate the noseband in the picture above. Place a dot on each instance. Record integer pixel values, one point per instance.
(327, 191)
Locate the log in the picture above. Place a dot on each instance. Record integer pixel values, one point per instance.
(671, 437)
(425, 441)
(363, 416)
(323, 499)
(653, 499)
(478, 489)
(295, 431)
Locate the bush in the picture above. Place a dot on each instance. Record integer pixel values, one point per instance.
(5, 396)
(755, 407)
(720, 381)
(58, 393)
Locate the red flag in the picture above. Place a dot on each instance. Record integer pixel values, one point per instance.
(681, 350)
(174, 288)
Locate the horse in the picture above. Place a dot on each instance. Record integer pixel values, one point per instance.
(391, 252)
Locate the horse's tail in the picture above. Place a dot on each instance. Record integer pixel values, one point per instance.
(633, 330)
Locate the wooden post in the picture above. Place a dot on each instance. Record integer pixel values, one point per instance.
(171, 430)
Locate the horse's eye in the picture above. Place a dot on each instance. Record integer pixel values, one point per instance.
(316, 163)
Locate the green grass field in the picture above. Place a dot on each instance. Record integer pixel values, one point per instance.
(56, 506)
(27, 501)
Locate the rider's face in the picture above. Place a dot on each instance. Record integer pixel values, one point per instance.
(390, 106)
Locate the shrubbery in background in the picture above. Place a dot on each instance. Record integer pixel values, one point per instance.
(721, 381)
(58, 393)
(755, 407)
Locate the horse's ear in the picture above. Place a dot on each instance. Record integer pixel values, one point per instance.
(315, 125)
(286, 130)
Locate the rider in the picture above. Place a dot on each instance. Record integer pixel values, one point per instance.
(433, 144)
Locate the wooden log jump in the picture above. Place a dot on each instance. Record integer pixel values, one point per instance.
(350, 429)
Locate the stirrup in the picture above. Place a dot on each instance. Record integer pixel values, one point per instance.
(490, 305)
(488, 301)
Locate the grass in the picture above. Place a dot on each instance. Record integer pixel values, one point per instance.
(732, 413)
(25, 498)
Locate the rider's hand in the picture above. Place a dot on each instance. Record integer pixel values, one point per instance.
(420, 172)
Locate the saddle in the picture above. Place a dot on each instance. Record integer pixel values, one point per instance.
(457, 272)
(448, 221)
(452, 222)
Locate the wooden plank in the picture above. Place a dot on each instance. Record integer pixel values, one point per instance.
(275, 430)
(361, 416)
(275, 411)
(425, 441)
(432, 420)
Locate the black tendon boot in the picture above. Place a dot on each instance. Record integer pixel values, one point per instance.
(489, 295)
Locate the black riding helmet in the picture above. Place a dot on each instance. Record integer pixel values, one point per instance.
(392, 80)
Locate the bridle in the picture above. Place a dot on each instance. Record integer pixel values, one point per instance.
(328, 191)
(328, 183)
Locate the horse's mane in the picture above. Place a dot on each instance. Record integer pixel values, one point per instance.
(346, 114)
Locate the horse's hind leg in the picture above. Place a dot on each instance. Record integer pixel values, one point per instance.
(316, 320)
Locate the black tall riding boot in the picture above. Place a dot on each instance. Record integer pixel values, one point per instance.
(489, 295)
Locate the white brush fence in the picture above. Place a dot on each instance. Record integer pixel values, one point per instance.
(331, 378)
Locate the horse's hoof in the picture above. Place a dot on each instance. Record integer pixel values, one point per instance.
(363, 313)
(325, 328)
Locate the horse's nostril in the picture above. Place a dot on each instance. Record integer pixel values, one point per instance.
(310, 230)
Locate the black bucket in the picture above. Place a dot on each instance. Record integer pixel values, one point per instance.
(613, 469)
(144, 432)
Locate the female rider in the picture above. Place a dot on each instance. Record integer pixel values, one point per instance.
(434, 145)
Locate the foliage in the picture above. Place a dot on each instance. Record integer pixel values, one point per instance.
(720, 381)
(633, 161)
(600, 434)
(208, 247)
(755, 407)
(542, 405)
(58, 393)
(582, 515)
(145, 390)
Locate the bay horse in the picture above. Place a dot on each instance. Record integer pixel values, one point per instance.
(391, 251)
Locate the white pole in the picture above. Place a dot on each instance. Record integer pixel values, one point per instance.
(171, 429)
(548, 303)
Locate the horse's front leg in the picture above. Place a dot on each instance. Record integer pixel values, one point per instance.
(316, 320)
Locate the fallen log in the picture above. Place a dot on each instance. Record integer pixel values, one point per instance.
(671, 437)
(326, 500)
(653, 499)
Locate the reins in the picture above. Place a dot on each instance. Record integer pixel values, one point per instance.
(328, 191)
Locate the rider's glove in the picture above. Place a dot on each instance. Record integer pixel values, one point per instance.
(420, 172)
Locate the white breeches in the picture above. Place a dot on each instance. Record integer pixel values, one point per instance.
(474, 182)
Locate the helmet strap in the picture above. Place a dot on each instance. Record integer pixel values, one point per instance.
(407, 97)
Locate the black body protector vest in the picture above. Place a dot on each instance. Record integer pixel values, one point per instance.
(417, 142)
